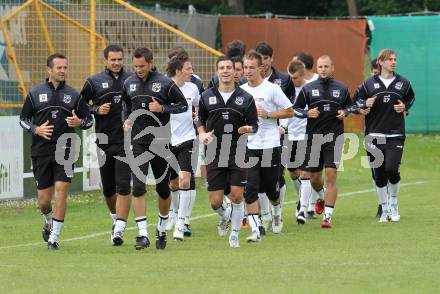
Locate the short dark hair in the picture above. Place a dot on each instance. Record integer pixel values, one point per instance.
(236, 48)
(50, 59)
(112, 48)
(178, 50)
(224, 58)
(374, 64)
(253, 54)
(236, 59)
(143, 52)
(176, 63)
(264, 49)
(306, 58)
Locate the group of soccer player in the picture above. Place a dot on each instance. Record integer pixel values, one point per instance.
(253, 121)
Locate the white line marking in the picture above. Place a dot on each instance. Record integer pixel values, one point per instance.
(193, 218)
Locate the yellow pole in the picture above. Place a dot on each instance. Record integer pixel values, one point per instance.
(168, 27)
(11, 105)
(44, 27)
(92, 37)
(13, 58)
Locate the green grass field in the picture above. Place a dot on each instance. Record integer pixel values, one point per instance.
(358, 255)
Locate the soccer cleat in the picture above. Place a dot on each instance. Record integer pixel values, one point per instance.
(46, 232)
(319, 206)
(384, 218)
(178, 234)
(53, 246)
(244, 224)
(233, 241)
(117, 238)
(170, 222)
(395, 216)
(187, 231)
(161, 240)
(277, 224)
(223, 227)
(311, 215)
(301, 218)
(253, 237)
(142, 242)
(379, 211)
(326, 223)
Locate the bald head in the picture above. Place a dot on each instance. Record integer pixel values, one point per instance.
(324, 66)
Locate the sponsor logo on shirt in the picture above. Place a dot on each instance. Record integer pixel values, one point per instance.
(376, 85)
(117, 98)
(326, 107)
(104, 85)
(67, 98)
(42, 97)
(225, 115)
(277, 82)
(212, 100)
(398, 85)
(315, 92)
(336, 93)
(54, 113)
(239, 100)
(156, 87)
(132, 87)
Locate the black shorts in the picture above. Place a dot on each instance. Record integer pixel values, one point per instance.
(264, 176)
(159, 166)
(47, 171)
(184, 152)
(219, 177)
(297, 155)
(321, 155)
(115, 174)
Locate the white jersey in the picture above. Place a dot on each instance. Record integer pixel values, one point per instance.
(182, 127)
(296, 127)
(271, 98)
(314, 78)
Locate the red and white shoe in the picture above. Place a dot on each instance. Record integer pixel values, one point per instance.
(319, 206)
(326, 224)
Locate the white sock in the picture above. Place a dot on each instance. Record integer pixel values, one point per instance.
(394, 192)
(141, 222)
(265, 206)
(283, 191)
(48, 217)
(254, 222)
(175, 196)
(297, 185)
(185, 198)
(237, 217)
(321, 193)
(57, 226)
(245, 212)
(191, 206)
(312, 200)
(120, 225)
(306, 190)
(113, 216)
(162, 223)
(328, 212)
(382, 194)
(276, 210)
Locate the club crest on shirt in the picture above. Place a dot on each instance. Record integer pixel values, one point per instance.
(67, 98)
(54, 113)
(277, 82)
(376, 85)
(336, 93)
(212, 100)
(117, 98)
(398, 85)
(156, 87)
(239, 100)
(132, 87)
(105, 85)
(42, 97)
(315, 92)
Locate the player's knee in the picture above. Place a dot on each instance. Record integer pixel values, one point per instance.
(123, 189)
(138, 190)
(250, 197)
(393, 176)
(109, 192)
(174, 186)
(184, 183)
(380, 181)
(273, 195)
(163, 190)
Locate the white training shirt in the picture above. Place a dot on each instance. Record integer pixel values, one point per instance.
(226, 95)
(271, 98)
(387, 82)
(296, 127)
(314, 78)
(182, 127)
